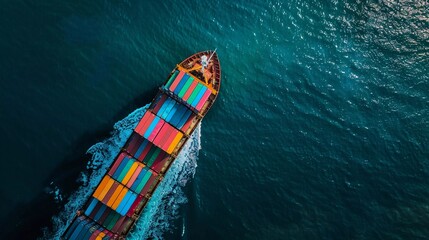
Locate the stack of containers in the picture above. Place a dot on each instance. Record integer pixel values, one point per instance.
(145, 151)
(173, 112)
(189, 89)
(160, 133)
(105, 216)
(84, 228)
(121, 193)
(134, 175)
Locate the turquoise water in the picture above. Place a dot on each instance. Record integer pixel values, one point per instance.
(320, 130)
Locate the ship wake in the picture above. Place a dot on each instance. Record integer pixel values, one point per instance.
(164, 204)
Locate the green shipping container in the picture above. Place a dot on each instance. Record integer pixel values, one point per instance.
(186, 87)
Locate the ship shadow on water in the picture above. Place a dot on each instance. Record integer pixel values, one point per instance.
(28, 221)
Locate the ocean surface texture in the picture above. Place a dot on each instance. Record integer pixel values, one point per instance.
(320, 131)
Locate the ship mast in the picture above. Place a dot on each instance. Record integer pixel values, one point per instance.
(205, 63)
(212, 55)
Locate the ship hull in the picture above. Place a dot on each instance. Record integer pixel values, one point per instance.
(181, 103)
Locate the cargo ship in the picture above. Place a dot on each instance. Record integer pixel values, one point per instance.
(180, 104)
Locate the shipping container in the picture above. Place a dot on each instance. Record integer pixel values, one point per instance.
(171, 79)
(185, 88)
(195, 93)
(204, 99)
(190, 90)
(176, 81)
(198, 97)
(181, 84)
(85, 228)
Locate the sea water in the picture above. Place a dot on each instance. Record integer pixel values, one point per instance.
(320, 130)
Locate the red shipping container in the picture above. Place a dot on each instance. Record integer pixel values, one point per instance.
(176, 81)
(160, 103)
(118, 224)
(126, 224)
(149, 183)
(165, 134)
(135, 204)
(131, 142)
(117, 163)
(94, 234)
(188, 122)
(110, 193)
(134, 145)
(203, 99)
(145, 151)
(141, 128)
(170, 139)
(160, 162)
(156, 130)
(161, 134)
(190, 90)
(142, 122)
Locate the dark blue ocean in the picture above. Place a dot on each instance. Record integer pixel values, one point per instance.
(320, 131)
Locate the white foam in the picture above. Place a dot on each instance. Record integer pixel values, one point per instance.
(102, 157)
(55, 191)
(164, 204)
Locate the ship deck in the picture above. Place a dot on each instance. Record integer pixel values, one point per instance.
(182, 101)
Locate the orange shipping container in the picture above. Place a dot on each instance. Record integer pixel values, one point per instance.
(115, 195)
(175, 142)
(170, 139)
(110, 192)
(105, 189)
(101, 186)
(119, 198)
(130, 173)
